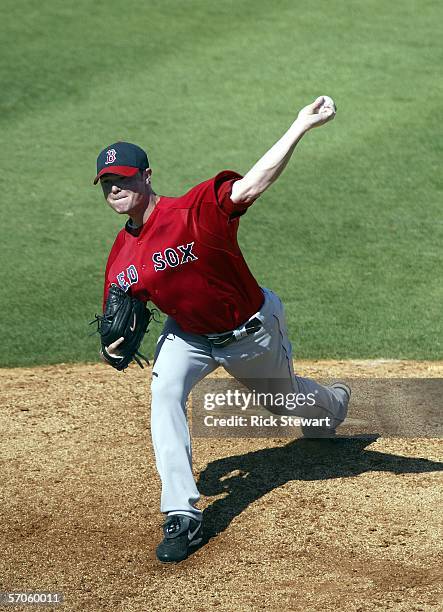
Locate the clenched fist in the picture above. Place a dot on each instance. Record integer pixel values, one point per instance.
(318, 113)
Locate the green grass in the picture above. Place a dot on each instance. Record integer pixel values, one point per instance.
(351, 234)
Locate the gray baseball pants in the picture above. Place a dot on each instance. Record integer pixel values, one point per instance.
(182, 360)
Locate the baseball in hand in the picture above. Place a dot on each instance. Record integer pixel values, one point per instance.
(327, 104)
(319, 112)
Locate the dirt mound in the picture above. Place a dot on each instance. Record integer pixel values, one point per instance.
(353, 524)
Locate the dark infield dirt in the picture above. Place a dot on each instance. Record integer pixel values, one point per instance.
(290, 524)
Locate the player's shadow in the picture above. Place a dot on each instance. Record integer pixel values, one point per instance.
(246, 478)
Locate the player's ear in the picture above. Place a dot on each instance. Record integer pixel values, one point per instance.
(147, 175)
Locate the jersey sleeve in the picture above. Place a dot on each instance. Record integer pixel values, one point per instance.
(223, 188)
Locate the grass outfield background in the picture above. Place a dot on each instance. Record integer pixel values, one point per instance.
(351, 234)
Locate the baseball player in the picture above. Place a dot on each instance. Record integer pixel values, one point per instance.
(181, 253)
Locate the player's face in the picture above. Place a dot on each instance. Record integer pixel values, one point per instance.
(125, 194)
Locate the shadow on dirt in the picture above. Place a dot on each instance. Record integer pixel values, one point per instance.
(246, 478)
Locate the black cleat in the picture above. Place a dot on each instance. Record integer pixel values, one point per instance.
(181, 532)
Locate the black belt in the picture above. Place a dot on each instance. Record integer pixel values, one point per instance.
(250, 327)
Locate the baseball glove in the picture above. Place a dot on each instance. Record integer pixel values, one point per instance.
(123, 316)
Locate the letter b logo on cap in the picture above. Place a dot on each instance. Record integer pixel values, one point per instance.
(111, 155)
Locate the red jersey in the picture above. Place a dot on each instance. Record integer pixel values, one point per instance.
(186, 260)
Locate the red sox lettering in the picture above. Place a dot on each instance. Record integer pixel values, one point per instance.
(127, 277)
(170, 257)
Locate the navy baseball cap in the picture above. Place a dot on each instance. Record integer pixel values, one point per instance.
(121, 158)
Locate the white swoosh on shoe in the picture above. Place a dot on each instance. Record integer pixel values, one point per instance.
(191, 534)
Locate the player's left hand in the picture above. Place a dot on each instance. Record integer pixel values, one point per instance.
(112, 351)
(318, 113)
